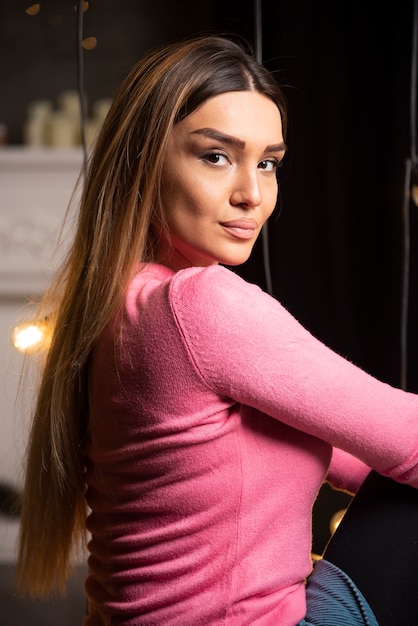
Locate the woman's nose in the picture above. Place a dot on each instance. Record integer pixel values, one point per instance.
(246, 191)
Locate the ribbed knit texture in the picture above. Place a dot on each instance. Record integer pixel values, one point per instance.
(334, 600)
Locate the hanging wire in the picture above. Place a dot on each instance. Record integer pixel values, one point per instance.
(413, 94)
(258, 34)
(405, 277)
(258, 42)
(411, 177)
(80, 79)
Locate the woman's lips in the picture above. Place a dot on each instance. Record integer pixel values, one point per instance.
(241, 228)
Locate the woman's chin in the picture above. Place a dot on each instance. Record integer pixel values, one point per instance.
(236, 260)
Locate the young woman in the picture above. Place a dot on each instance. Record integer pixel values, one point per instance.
(184, 419)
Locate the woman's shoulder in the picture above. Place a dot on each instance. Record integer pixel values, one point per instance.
(204, 280)
(200, 291)
(213, 279)
(214, 296)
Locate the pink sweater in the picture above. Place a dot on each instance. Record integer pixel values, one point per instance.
(212, 429)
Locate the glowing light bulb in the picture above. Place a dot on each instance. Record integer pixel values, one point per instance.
(30, 337)
(336, 520)
(89, 43)
(33, 9)
(85, 7)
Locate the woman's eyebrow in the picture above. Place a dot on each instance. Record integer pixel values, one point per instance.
(212, 133)
(218, 136)
(276, 147)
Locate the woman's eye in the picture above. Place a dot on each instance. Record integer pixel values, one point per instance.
(216, 158)
(269, 165)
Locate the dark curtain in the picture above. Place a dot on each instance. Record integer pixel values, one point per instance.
(337, 241)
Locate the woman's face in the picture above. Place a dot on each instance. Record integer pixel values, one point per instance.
(219, 179)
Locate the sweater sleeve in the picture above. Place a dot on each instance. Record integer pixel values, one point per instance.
(245, 345)
(346, 472)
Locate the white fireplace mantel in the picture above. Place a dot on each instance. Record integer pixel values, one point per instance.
(36, 185)
(35, 188)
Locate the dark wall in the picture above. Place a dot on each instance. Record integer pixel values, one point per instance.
(348, 66)
(38, 54)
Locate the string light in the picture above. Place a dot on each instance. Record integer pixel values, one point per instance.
(33, 9)
(86, 6)
(89, 43)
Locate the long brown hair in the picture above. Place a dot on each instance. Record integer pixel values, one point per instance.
(120, 215)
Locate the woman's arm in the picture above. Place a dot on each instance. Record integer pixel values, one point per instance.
(245, 345)
(346, 472)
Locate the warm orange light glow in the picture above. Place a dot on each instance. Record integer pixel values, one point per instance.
(33, 9)
(336, 520)
(86, 6)
(30, 337)
(89, 43)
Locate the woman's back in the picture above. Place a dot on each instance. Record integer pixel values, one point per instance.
(202, 506)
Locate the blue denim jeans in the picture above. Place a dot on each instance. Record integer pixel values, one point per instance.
(334, 600)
